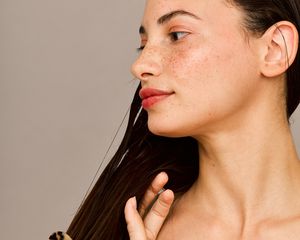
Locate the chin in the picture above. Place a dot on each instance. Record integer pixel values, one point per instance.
(165, 130)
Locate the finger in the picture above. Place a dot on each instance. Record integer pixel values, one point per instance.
(158, 213)
(135, 225)
(157, 184)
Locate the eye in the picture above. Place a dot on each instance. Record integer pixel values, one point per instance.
(175, 36)
(139, 49)
(142, 45)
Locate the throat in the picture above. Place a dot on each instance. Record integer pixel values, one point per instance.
(250, 178)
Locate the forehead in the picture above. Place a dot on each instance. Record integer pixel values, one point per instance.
(156, 8)
(212, 12)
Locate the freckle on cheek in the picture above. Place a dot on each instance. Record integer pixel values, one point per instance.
(176, 60)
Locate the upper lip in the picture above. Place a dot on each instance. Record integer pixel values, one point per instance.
(150, 92)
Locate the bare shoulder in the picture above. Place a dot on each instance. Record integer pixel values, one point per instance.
(183, 224)
(198, 229)
(288, 228)
(194, 229)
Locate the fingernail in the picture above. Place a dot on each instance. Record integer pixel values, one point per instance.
(133, 203)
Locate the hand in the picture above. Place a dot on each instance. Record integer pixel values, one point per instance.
(142, 226)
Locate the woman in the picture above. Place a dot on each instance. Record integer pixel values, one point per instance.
(219, 80)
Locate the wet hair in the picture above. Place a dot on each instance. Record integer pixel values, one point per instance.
(142, 155)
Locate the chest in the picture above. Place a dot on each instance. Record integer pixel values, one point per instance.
(191, 230)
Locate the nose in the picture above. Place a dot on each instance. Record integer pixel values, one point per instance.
(148, 64)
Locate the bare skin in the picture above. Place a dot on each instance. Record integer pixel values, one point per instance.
(249, 182)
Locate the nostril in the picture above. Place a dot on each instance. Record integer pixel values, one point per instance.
(145, 75)
(141, 70)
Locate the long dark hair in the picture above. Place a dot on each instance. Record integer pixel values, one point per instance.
(142, 155)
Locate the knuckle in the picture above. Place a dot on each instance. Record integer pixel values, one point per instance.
(163, 204)
(150, 234)
(159, 212)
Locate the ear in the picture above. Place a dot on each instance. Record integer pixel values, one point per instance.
(280, 44)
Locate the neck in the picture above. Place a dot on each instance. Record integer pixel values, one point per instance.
(249, 172)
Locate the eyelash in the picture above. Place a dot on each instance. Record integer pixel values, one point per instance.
(173, 35)
(175, 38)
(139, 49)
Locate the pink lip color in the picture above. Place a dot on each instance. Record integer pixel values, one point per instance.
(150, 96)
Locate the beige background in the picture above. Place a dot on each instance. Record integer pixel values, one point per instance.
(65, 86)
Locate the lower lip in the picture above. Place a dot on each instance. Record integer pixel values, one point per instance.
(150, 101)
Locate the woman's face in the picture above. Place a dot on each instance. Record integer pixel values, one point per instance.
(198, 54)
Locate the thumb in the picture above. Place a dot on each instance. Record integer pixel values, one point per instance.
(135, 225)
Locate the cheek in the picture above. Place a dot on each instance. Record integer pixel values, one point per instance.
(195, 71)
(212, 80)
(189, 69)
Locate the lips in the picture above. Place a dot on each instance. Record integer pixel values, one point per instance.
(150, 96)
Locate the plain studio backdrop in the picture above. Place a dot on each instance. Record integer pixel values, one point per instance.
(65, 86)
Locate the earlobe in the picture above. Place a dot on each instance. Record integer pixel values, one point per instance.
(281, 43)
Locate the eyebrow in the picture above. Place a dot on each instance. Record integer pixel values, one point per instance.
(168, 16)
